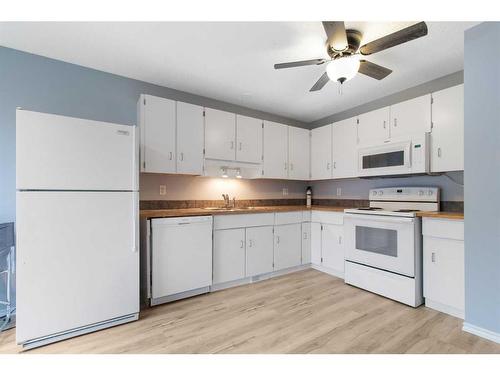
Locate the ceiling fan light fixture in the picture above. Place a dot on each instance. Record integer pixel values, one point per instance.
(343, 68)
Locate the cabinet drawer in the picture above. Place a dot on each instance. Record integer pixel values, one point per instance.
(288, 217)
(243, 221)
(326, 217)
(443, 228)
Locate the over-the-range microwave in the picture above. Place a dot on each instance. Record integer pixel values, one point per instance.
(395, 156)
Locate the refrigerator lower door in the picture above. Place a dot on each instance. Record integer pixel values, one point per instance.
(78, 262)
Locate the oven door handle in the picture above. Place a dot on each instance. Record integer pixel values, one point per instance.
(379, 218)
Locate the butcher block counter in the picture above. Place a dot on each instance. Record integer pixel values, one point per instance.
(177, 212)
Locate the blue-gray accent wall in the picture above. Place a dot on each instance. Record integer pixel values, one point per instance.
(482, 176)
(46, 85)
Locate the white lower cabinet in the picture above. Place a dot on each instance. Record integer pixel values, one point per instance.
(287, 246)
(259, 250)
(332, 248)
(327, 243)
(229, 255)
(443, 265)
(306, 243)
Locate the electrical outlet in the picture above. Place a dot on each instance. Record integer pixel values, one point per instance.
(285, 191)
(163, 189)
(339, 192)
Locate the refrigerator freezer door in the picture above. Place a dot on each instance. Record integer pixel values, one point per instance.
(64, 153)
(78, 262)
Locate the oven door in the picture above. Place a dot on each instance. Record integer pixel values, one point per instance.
(387, 159)
(384, 242)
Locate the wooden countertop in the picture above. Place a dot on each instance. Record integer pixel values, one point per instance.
(442, 215)
(176, 212)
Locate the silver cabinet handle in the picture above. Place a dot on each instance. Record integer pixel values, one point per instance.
(170, 155)
(240, 146)
(334, 165)
(232, 145)
(384, 125)
(328, 166)
(182, 156)
(305, 235)
(340, 240)
(433, 257)
(395, 122)
(277, 240)
(439, 151)
(242, 245)
(291, 166)
(286, 165)
(250, 243)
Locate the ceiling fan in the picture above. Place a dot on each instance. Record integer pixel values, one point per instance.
(343, 47)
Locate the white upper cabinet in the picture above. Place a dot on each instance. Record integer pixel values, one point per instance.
(275, 163)
(157, 123)
(373, 127)
(344, 149)
(321, 153)
(248, 139)
(411, 116)
(298, 153)
(189, 138)
(220, 134)
(447, 137)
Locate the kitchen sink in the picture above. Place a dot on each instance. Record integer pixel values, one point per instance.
(229, 209)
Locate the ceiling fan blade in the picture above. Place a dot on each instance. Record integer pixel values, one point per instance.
(323, 80)
(299, 63)
(399, 37)
(373, 70)
(337, 37)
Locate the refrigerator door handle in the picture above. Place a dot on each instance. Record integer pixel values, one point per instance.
(135, 224)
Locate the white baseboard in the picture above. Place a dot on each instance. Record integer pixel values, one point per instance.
(327, 270)
(444, 308)
(481, 332)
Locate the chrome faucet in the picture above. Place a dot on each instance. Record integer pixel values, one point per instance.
(229, 203)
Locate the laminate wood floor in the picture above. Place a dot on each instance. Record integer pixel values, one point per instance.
(302, 312)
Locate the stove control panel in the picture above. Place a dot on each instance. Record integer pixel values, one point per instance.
(408, 194)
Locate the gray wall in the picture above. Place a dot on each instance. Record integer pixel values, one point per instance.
(482, 177)
(451, 186)
(410, 93)
(41, 84)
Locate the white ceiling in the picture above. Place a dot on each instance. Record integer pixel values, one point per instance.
(233, 61)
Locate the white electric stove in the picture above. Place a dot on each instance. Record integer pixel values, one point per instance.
(384, 242)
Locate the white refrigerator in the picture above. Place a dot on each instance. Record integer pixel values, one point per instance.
(77, 226)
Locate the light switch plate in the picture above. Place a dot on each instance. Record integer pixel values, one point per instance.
(163, 189)
(339, 192)
(285, 191)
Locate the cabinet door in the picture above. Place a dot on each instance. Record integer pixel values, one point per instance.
(275, 163)
(259, 250)
(248, 139)
(220, 134)
(345, 156)
(321, 153)
(447, 137)
(306, 243)
(332, 248)
(298, 153)
(229, 255)
(444, 271)
(316, 243)
(287, 246)
(158, 135)
(189, 138)
(411, 116)
(373, 127)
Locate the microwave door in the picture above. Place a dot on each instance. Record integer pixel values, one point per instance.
(391, 158)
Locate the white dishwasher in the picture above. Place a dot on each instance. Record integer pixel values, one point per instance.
(181, 257)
